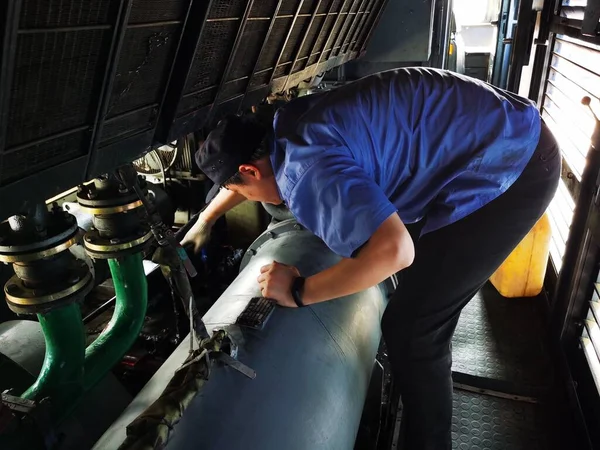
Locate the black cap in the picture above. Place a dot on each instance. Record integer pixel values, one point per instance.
(228, 146)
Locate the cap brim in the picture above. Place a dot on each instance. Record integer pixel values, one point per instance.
(212, 193)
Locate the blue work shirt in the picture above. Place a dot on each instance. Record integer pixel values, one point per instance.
(421, 142)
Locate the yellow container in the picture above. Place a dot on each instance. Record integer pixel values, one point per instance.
(522, 274)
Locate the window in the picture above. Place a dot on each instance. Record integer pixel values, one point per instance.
(573, 73)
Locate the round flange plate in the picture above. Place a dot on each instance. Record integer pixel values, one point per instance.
(59, 229)
(99, 247)
(26, 300)
(36, 255)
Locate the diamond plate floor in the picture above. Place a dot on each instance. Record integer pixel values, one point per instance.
(481, 422)
(502, 340)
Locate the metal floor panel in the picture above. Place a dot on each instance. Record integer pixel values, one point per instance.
(481, 422)
(502, 340)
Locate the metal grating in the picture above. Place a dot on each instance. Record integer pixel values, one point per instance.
(139, 119)
(87, 82)
(263, 8)
(274, 45)
(143, 70)
(222, 9)
(212, 57)
(23, 161)
(288, 7)
(48, 96)
(54, 13)
(197, 100)
(149, 11)
(245, 57)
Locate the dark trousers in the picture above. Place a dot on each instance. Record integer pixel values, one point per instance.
(451, 265)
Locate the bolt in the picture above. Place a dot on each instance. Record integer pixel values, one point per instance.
(271, 235)
(92, 195)
(122, 189)
(251, 251)
(297, 227)
(115, 241)
(88, 239)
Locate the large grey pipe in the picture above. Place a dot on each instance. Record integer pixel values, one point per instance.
(313, 364)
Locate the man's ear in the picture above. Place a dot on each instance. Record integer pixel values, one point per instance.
(250, 171)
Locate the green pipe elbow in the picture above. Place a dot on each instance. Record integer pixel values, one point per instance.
(131, 290)
(61, 376)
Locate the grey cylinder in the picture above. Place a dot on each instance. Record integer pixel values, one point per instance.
(278, 212)
(313, 364)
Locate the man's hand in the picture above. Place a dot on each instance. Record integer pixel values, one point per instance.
(198, 235)
(276, 281)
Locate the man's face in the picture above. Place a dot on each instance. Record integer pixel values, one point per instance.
(258, 191)
(259, 183)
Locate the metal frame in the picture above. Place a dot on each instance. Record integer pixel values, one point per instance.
(188, 47)
(354, 26)
(373, 25)
(361, 25)
(286, 40)
(119, 30)
(340, 40)
(521, 44)
(262, 50)
(297, 56)
(232, 55)
(100, 154)
(331, 36)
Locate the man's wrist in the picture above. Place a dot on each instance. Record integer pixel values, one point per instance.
(307, 293)
(298, 291)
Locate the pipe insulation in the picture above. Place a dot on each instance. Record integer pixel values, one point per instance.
(313, 364)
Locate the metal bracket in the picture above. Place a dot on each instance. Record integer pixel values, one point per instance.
(234, 364)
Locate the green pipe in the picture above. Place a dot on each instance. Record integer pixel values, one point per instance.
(132, 300)
(61, 377)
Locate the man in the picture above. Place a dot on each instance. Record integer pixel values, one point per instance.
(470, 167)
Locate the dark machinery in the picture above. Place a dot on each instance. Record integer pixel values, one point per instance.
(88, 86)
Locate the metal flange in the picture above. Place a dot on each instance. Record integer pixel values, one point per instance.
(58, 231)
(99, 247)
(23, 299)
(41, 254)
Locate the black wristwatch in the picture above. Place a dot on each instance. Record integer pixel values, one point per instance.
(298, 290)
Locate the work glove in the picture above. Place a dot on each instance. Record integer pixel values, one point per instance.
(197, 236)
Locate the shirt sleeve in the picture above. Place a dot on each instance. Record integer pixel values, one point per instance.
(340, 203)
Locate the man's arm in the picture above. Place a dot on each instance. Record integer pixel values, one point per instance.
(389, 250)
(198, 235)
(224, 201)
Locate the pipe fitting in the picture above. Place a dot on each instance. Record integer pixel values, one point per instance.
(120, 224)
(47, 274)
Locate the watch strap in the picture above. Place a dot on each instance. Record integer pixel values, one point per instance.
(297, 289)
